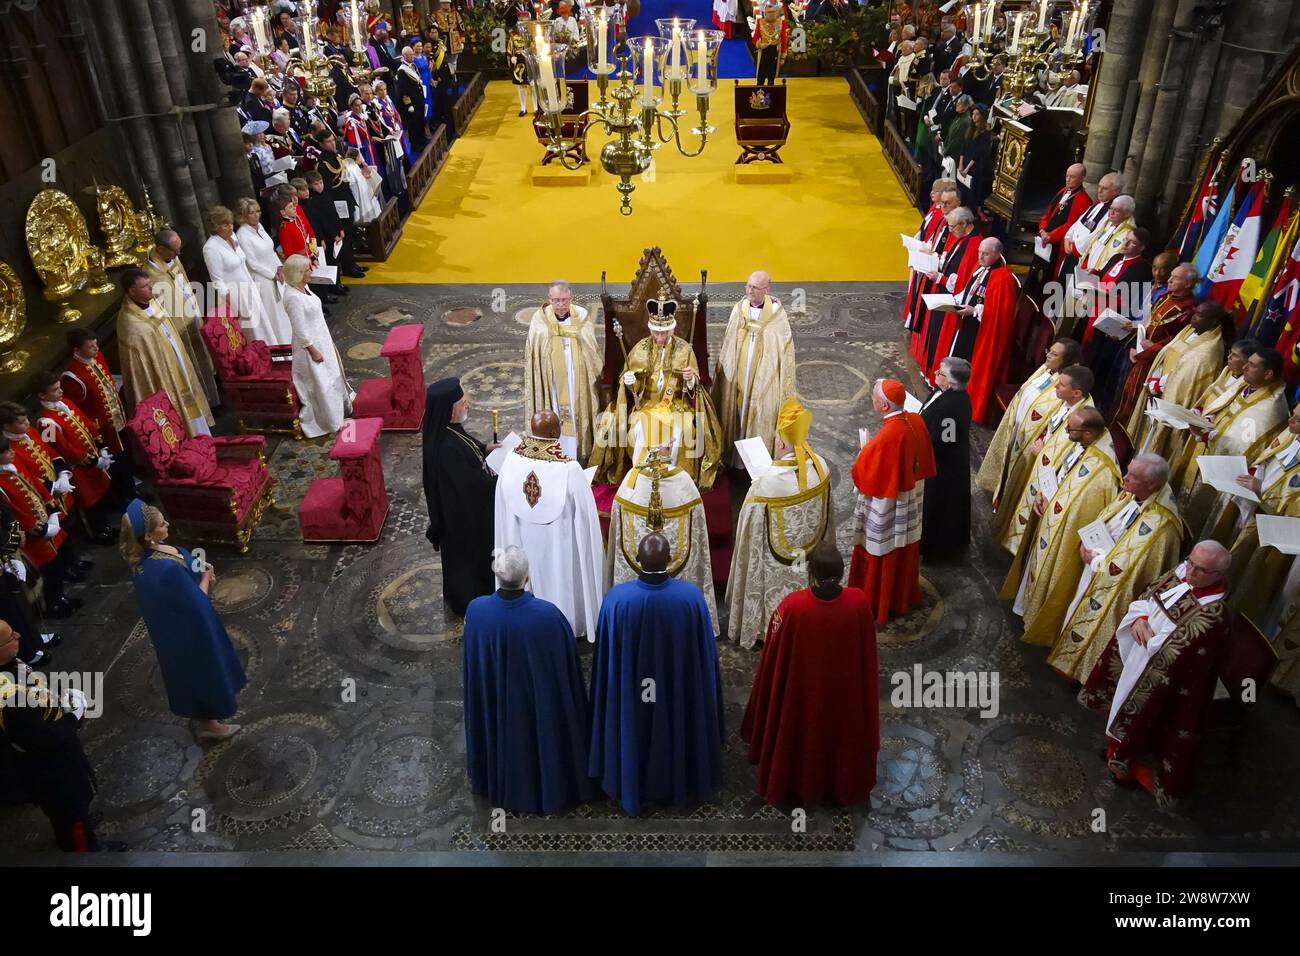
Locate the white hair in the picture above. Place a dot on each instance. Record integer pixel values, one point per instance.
(280, 114)
(295, 267)
(958, 370)
(1153, 467)
(1124, 204)
(1217, 553)
(961, 216)
(510, 564)
(1116, 181)
(559, 284)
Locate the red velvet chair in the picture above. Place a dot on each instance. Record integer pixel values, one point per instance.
(211, 489)
(257, 378)
(353, 506)
(398, 398)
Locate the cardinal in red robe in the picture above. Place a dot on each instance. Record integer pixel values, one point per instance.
(993, 308)
(813, 720)
(890, 475)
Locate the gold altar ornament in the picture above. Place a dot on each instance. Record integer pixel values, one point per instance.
(117, 218)
(13, 320)
(147, 225)
(59, 245)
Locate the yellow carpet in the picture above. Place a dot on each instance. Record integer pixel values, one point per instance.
(484, 221)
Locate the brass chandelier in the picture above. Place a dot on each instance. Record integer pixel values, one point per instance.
(1028, 52)
(632, 91)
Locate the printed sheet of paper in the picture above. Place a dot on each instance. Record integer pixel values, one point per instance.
(905, 102)
(1221, 471)
(1096, 537)
(963, 178)
(753, 452)
(1042, 249)
(1141, 342)
(913, 244)
(1178, 417)
(1078, 234)
(937, 301)
(1047, 482)
(922, 261)
(1084, 279)
(1281, 533)
(341, 210)
(1112, 324)
(497, 458)
(283, 164)
(327, 274)
(912, 404)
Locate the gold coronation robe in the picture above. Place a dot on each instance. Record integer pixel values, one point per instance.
(659, 383)
(1002, 473)
(1046, 570)
(561, 363)
(1147, 536)
(154, 359)
(1187, 364)
(683, 525)
(1243, 425)
(777, 527)
(1016, 517)
(755, 373)
(171, 287)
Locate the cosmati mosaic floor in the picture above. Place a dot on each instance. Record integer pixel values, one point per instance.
(313, 773)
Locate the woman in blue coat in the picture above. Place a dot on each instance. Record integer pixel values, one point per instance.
(200, 668)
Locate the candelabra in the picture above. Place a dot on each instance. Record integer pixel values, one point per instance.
(310, 60)
(1029, 53)
(630, 95)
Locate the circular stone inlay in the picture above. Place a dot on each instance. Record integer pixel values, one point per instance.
(405, 772)
(1041, 772)
(463, 316)
(917, 624)
(138, 770)
(411, 605)
(271, 769)
(240, 589)
(365, 351)
(495, 385)
(912, 775)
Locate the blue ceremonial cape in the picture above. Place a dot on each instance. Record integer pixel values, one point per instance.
(426, 75)
(668, 748)
(199, 666)
(525, 705)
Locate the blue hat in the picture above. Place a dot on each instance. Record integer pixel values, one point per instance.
(135, 513)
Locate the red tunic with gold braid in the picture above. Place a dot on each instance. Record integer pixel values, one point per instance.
(77, 439)
(40, 462)
(90, 384)
(297, 237)
(32, 506)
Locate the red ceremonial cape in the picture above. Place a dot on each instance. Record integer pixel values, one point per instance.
(993, 342)
(896, 459)
(1106, 283)
(813, 720)
(26, 495)
(970, 261)
(1079, 204)
(913, 307)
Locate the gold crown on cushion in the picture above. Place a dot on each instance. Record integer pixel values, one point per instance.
(663, 314)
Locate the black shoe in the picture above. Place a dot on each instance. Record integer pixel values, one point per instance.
(355, 274)
(52, 639)
(40, 659)
(342, 290)
(83, 565)
(329, 299)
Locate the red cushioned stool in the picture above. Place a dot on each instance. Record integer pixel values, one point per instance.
(398, 399)
(353, 506)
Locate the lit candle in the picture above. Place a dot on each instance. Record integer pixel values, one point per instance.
(988, 23)
(1083, 21)
(1015, 36)
(1069, 36)
(677, 49)
(259, 33)
(356, 27)
(648, 66)
(701, 67)
(1042, 16)
(602, 42)
(547, 76)
(976, 33)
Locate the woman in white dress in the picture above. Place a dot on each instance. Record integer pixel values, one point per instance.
(228, 269)
(323, 390)
(264, 267)
(363, 180)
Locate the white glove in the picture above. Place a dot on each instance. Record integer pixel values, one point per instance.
(64, 483)
(18, 568)
(52, 526)
(74, 703)
(629, 378)
(105, 461)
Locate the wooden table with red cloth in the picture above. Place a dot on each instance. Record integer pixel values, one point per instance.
(992, 354)
(889, 475)
(813, 719)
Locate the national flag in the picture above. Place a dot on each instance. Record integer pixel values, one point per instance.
(1211, 239)
(1272, 253)
(1282, 311)
(1237, 250)
(1202, 211)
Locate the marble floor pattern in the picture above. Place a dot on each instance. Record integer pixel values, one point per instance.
(384, 769)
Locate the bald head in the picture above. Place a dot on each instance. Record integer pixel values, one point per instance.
(990, 251)
(545, 424)
(653, 553)
(757, 286)
(1074, 175)
(1208, 564)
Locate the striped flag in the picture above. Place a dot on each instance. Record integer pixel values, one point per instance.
(1272, 253)
(1202, 211)
(1237, 250)
(1283, 311)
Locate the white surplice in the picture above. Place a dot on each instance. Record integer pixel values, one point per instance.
(323, 390)
(228, 269)
(363, 191)
(546, 507)
(263, 264)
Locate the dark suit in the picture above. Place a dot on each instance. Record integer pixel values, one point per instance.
(945, 521)
(946, 52)
(410, 103)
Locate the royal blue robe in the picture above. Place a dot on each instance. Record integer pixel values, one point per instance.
(660, 741)
(525, 705)
(200, 668)
(426, 76)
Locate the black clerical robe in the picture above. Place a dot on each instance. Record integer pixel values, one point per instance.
(460, 492)
(945, 516)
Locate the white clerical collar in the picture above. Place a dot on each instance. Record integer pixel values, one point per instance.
(755, 310)
(12, 469)
(1072, 457)
(1288, 457)
(58, 405)
(893, 414)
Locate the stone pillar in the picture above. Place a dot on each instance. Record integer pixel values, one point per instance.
(1255, 24)
(1154, 60)
(1125, 38)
